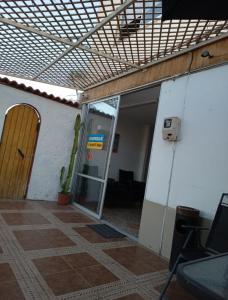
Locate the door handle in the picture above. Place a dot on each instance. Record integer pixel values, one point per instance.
(21, 153)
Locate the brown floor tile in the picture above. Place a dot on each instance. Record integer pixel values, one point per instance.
(10, 291)
(6, 273)
(66, 282)
(81, 265)
(97, 275)
(93, 237)
(51, 265)
(137, 260)
(24, 219)
(53, 205)
(131, 297)
(42, 239)
(80, 260)
(11, 205)
(72, 217)
(176, 292)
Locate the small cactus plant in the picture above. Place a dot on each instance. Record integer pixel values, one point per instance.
(65, 178)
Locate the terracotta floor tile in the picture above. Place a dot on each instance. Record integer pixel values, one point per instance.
(97, 275)
(62, 242)
(72, 217)
(11, 205)
(93, 237)
(51, 265)
(131, 297)
(80, 260)
(137, 260)
(176, 292)
(6, 273)
(53, 205)
(66, 282)
(51, 233)
(24, 219)
(70, 272)
(137, 251)
(42, 239)
(10, 291)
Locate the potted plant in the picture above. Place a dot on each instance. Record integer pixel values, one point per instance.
(66, 178)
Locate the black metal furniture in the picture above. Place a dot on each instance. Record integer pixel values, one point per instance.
(125, 192)
(187, 216)
(206, 278)
(217, 241)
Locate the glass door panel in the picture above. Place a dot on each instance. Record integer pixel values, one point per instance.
(89, 193)
(99, 123)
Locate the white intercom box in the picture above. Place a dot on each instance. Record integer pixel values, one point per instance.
(171, 129)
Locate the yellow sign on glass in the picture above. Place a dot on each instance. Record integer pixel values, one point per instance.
(95, 145)
(95, 141)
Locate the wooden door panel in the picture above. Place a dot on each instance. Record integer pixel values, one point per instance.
(17, 150)
(11, 162)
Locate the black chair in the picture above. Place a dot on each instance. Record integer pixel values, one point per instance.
(125, 192)
(217, 241)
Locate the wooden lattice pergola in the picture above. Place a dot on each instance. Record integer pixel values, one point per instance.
(82, 43)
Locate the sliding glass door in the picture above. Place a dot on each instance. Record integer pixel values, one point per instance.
(98, 127)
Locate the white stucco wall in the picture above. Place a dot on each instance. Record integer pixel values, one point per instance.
(200, 159)
(54, 141)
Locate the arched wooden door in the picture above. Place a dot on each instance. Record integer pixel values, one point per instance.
(17, 149)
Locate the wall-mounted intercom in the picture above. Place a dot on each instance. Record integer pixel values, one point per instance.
(171, 129)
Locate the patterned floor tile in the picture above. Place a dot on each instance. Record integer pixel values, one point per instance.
(137, 260)
(15, 205)
(93, 237)
(11, 291)
(53, 205)
(51, 265)
(6, 273)
(73, 217)
(9, 288)
(176, 292)
(97, 275)
(86, 272)
(80, 260)
(66, 282)
(131, 297)
(24, 219)
(42, 239)
(70, 262)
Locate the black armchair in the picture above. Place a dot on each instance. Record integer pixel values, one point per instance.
(124, 192)
(217, 241)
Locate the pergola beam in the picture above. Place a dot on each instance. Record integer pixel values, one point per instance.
(106, 20)
(64, 41)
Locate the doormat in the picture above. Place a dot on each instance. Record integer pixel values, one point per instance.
(106, 231)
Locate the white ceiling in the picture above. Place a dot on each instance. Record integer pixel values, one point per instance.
(140, 106)
(144, 114)
(140, 97)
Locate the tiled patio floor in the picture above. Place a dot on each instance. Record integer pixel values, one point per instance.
(48, 252)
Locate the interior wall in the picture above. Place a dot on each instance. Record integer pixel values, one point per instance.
(132, 148)
(193, 171)
(135, 126)
(54, 141)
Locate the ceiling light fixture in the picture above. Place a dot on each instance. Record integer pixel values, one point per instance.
(206, 53)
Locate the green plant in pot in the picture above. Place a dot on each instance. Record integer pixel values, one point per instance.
(66, 177)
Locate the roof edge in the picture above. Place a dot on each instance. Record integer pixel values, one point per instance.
(37, 92)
